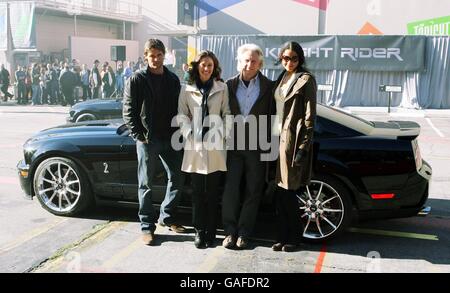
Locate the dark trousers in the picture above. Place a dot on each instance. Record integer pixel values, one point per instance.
(68, 95)
(21, 92)
(53, 92)
(4, 90)
(86, 92)
(96, 92)
(148, 154)
(240, 220)
(205, 203)
(44, 95)
(290, 227)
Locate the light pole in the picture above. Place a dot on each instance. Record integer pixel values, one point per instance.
(75, 10)
(322, 29)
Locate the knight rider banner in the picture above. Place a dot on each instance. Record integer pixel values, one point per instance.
(356, 53)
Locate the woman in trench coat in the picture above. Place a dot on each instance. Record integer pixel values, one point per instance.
(202, 110)
(295, 97)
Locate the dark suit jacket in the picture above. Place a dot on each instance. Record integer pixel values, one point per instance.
(262, 107)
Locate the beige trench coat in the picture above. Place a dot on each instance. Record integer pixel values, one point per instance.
(297, 132)
(208, 155)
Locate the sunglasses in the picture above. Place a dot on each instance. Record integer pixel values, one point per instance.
(287, 58)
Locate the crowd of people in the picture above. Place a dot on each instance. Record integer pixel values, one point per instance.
(154, 98)
(66, 83)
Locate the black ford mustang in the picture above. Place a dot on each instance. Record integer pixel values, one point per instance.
(362, 169)
(96, 109)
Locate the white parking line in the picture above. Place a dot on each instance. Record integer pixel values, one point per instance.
(27, 236)
(434, 128)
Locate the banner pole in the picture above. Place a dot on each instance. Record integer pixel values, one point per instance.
(389, 102)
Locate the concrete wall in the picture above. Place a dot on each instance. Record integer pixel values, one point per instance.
(52, 32)
(143, 32)
(86, 50)
(167, 9)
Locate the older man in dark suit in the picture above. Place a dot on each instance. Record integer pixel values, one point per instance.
(250, 98)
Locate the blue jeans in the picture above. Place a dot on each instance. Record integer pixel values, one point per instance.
(148, 155)
(36, 94)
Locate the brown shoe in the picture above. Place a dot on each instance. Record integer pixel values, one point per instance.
(174, 227)
(277, 246)
(148, 238)
(229, 242)
(242, 242)
(177, 228)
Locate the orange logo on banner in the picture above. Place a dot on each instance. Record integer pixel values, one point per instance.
(369, 29)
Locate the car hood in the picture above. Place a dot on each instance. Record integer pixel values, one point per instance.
(88, 128)
(95, 102)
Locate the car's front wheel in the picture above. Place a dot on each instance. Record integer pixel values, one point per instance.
(325, 207)
(86, 117)
(61, 187)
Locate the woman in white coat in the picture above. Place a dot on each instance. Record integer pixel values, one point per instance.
(202, 110)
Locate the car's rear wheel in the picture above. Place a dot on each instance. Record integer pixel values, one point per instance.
(61, 187)
(86, 117)
(326, 209)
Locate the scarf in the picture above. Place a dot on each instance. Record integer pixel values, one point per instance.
(205, 89)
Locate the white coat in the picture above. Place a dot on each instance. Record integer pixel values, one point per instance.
(208, 155)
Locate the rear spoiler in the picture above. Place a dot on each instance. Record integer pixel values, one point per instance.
(409, 129)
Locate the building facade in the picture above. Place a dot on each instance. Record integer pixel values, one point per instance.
(46, 30)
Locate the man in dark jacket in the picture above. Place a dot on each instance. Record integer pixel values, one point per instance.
(20, 81)
(150, 103)
(4, 81)
(51, 79)
(67, 81)
(250, 102)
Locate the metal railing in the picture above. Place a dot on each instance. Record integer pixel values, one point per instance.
(130, 10)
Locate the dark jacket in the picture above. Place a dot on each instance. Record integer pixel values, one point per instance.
(262, 106)
(4, 77)
(68, 80)
(139, 101)
(297, 132)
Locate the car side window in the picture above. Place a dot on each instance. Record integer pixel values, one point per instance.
(326, 128)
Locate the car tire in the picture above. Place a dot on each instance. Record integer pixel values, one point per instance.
(61, 187)
(326, 216)
(86, 117)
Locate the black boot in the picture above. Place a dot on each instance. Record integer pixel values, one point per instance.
(199, 240)
(210, 239)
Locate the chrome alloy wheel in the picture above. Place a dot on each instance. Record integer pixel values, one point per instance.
(58, 186)
(322, 210)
